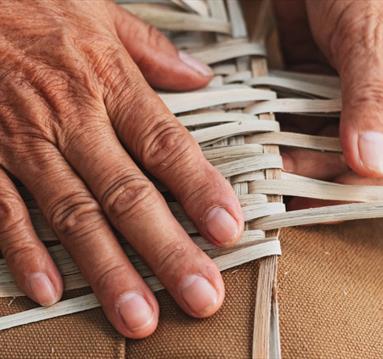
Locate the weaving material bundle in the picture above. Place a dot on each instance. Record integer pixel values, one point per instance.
(233, 122)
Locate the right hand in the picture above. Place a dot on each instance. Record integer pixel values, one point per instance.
(72, 104)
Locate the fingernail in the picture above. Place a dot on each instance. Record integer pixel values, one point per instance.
(195, 64)
(42, 289)
(135, 311)
(198, 293)
(371, 150)
(221, 225)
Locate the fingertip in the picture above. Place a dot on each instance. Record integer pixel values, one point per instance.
(177, 71)
(162, 65)
(42, 289)
(196, 65)
(138, 314)
(370, 147)
(202, 295)
(222, 226)
(363, 149)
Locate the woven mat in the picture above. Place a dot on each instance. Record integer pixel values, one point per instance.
(330, 290)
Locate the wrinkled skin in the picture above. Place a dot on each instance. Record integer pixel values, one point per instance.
(77, 113)
(73, 105)
(343, 36)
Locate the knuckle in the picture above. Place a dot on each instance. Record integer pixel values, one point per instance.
(74, 215)
(154, 38)
(170, 257)
(108, 274)
(18, 250)
(107, 61)
(167, 146)
(130, 195)
(201, 188)
(12, 214)
(368, 94)
(124, 97)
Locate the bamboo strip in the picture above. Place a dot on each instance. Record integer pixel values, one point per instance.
(297, 86)
(231, 129)
(224, 69)
(228, 50)
(89, 301)
(217, 155)
(255, 163)
(295, 106)
(341, 212)
(311, 188)
(216, 81)
(238, 77)
(166, 18)
(218, 11)
(261, 340)
(197, 6)
(320, 143)
(332, 81)
(182, 102)
(219, 117)
(64, 307)
(238, 25)
(266, 304)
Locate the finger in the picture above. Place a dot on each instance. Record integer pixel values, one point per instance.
(159, 61)
(77, 219)
(350, 38)
(313, 164)
(166, 149)
(29, 261)
(141, 214)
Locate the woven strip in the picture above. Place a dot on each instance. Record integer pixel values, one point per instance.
(232, 121)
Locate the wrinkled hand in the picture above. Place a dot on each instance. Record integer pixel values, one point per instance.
(73, 103)
(349, 33)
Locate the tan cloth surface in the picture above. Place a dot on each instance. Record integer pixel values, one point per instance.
(331, 306)
(84, 335)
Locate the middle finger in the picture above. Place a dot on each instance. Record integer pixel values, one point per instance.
(141, 214)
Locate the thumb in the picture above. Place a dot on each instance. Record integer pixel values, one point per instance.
(162, 65)
(361, 127)
(351, 36)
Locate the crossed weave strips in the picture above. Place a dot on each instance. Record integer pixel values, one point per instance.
(233, 122)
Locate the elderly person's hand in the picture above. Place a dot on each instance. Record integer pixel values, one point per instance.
(75, 111)
(350, 35)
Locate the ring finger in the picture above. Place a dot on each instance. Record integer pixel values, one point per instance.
(27, 258)
(77, 219)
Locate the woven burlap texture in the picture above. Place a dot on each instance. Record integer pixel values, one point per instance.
(330, 296)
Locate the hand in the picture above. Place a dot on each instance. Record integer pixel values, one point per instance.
(349, 33)
(72, 104)
(318, 165)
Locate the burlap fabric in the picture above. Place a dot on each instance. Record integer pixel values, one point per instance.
(331, 306)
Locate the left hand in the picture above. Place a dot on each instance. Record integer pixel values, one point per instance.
(349, 34)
